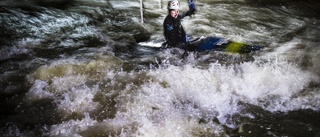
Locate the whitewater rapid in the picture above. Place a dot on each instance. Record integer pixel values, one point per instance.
(80, 72)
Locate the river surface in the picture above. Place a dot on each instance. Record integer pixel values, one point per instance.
(75, 68)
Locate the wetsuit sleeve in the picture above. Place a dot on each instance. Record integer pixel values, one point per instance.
(192, 9)
(168, 28)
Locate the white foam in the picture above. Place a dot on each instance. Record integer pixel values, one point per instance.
(63, 84)
(78, 100)
(161, 111)
(220, 88)
(124, 4)
(39, 90)
(150, 44)
(70, 94)
(72, 128)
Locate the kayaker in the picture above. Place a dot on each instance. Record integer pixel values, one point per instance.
(174, 33)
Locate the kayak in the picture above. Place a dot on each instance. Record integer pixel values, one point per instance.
(222, 44)
(213, 44)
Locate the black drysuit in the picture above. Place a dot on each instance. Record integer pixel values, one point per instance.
(173, 31)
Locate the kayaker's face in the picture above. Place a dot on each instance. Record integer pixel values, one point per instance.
(174, 13)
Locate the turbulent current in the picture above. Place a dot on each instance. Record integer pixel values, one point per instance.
(71, 68)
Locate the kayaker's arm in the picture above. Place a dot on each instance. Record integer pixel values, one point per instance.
(192, 8)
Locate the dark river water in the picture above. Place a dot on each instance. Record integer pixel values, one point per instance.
(71, 68)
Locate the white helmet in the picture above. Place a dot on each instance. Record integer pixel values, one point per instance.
(174, 5)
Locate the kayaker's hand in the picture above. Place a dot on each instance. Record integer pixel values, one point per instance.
(192, 5)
